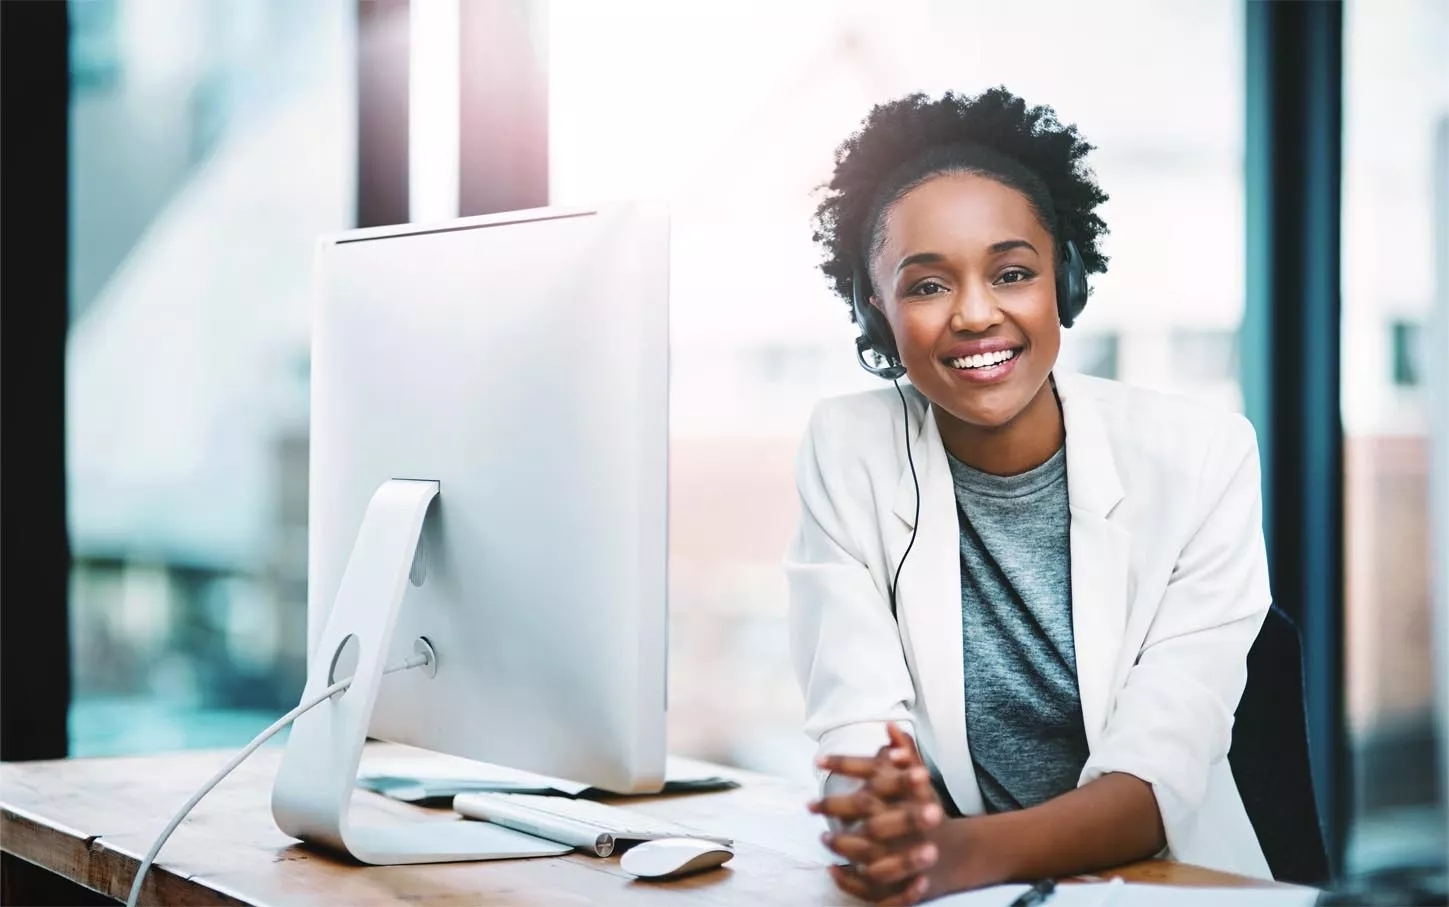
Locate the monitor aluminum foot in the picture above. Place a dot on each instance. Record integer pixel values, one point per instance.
(312, 794)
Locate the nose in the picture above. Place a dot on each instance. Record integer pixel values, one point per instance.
(974, 310)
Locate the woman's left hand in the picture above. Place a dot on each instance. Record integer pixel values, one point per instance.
(889, 821)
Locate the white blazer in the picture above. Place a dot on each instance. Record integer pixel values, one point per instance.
(1169, 588)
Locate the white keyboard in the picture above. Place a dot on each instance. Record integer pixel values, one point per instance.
(584, 824)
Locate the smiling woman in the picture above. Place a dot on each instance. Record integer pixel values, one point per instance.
(962, 246)
(1070, 636)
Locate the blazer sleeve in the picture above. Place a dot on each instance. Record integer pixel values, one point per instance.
(1172, 720)
(844, 644)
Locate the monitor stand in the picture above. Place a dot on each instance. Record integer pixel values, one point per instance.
(312, 794)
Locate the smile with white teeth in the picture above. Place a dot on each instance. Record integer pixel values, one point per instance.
(984, 360)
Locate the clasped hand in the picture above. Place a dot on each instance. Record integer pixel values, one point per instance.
(884, 827)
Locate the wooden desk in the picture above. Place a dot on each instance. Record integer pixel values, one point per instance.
(89, 821)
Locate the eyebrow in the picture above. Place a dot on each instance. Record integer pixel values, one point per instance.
(935, 258)
(1007, 245)
(920, 258)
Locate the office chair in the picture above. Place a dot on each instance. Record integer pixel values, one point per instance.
(1269, 757)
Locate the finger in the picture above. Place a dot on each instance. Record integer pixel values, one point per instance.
(852, 882)
(914, 893)
(910, 780)
(900, 867)
(895, 824)
(848, 881)
(860, 805)
(898, 870)
(922, 789)
(899, 738)
(850, 766)
(887, 781)
(895, 783)
(855, 848)
(903, 747)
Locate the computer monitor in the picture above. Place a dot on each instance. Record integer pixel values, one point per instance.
(489, 443)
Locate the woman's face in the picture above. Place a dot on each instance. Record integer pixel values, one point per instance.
(966, 276)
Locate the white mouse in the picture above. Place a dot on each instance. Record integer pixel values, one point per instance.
(669, 858)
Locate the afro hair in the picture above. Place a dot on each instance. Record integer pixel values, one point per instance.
(905, 142)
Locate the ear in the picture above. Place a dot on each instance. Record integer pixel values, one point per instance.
(875, 301)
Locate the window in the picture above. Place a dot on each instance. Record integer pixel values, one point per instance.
(1091, 354)
(731, 112)
(1202, 357)
(210, 144)
(1395, 214)
(1408, 352)
(784, 364)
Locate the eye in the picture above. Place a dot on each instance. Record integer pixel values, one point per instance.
(927, 288)
(1015, 275)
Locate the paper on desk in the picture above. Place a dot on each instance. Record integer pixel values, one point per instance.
(1177, 896)
(428, 770)
(1130, 895)
(995, 896)
(439, 777)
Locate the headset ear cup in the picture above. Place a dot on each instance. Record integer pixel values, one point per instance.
(878, 332)
(1071, 285)
(875, 332)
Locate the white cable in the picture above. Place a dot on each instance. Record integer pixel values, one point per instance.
(416, 661)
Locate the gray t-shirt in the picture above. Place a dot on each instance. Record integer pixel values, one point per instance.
(1023, 708)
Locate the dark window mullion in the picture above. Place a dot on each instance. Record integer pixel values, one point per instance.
(1291, 349)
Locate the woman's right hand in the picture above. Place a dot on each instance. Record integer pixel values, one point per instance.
(883, 827)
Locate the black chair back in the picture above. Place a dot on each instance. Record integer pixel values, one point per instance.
(1269, 757)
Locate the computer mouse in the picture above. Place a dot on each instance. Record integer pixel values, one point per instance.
(670, 858)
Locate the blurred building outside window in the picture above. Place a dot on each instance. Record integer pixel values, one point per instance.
(1396, 139)
(1095, 354)
(211, 142)
(1409, 350)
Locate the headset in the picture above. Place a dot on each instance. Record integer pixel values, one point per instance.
(877, 341)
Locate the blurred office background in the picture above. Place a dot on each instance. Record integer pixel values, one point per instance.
(212, 140)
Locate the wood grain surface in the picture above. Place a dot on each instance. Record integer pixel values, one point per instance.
(90, 820)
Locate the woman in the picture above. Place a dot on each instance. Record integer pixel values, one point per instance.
(1048, 582)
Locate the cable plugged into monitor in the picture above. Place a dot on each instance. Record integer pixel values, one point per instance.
(425, 659)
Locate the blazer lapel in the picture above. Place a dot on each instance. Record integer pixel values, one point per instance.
(1100, 551)
(928, 601)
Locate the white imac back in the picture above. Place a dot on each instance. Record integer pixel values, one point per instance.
(521, 361)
